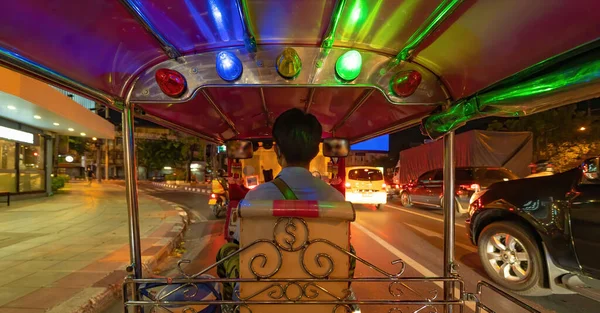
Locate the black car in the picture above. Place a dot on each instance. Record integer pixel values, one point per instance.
(427, 190)
(541, 235)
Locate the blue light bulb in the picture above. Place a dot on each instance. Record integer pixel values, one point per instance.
(229, 66)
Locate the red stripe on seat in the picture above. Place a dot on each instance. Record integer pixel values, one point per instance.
(296, 208)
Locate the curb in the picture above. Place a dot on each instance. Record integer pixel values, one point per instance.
(203, 190)
(96, 300)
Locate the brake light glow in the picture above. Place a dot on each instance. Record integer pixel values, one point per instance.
(212, 195)
(472, 187)
(171, 82)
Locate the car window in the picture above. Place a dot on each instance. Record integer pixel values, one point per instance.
(439, 175)
(591, 172)
(496, 174)
(426, 177)
(464, 174)
(365, 174)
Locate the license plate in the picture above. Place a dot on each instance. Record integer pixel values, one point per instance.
(212, 201)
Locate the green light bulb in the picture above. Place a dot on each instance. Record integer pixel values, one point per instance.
(348, 65)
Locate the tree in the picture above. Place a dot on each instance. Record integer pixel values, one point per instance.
(156, 154)
(564, 135)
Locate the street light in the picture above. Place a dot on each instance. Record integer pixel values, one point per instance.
(582, 128)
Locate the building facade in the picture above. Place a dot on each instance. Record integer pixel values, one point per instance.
(32, 115)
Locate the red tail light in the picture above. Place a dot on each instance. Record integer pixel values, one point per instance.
(212, 195)
(171, 82)
(472, 187)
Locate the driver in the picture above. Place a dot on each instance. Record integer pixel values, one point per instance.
(297, 138)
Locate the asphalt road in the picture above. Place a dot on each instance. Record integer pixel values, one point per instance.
(380, 236)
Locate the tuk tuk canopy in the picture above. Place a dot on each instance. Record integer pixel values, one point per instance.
(448, 60)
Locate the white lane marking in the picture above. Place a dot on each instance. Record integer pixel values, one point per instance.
(421, 214)
(430, 233)
(407, 260)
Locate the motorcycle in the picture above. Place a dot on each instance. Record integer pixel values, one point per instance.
(218, 204)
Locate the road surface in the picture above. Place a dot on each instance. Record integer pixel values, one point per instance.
(380, 236)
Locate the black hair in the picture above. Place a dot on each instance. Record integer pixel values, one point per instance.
(297, 135)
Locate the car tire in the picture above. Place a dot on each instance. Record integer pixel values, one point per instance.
(518, 267)
(405, 199)
(379, 206)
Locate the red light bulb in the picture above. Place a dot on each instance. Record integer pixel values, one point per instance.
(171, 82)
(405, 83)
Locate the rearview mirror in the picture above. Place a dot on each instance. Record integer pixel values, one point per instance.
(239, 149)
(335, 147)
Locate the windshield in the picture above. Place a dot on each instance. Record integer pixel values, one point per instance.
(365, 174)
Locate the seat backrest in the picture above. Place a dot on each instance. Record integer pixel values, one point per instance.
(285, 239)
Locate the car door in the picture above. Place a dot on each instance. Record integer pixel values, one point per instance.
(585, 221)
(434, 188)
(419, 191)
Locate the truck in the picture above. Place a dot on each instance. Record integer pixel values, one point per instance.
(510, 150)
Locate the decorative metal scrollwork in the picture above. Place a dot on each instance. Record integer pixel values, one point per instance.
(291, 238)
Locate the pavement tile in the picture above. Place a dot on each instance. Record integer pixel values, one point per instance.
(151, 251)
(104, 266)
(7, 276)
(43, 298)
(9, 294)
(113, 278)
(68, 266)
(34, 265)
(89, 256)
(19, 310)
(39, 279)
(79, 280)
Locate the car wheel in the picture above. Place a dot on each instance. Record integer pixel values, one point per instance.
(512, 258)
(405, 199)
(379, 206)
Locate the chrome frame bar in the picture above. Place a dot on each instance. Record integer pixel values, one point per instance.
(449, 217)
(219, 111)
(134, 9)
(309, 99)
(435, 19)
(361, 100)
(329, 36)
(249, 38)
(38, 71)
(132, 193)
(264, 107)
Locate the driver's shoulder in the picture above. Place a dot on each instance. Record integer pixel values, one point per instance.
(262, 192)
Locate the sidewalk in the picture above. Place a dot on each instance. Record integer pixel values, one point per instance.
(67, 253)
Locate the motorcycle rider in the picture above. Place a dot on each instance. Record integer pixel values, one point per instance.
(220, 188)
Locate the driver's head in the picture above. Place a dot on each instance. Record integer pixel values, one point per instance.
(297, 137)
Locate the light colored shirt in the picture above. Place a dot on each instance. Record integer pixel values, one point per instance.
(303, 184)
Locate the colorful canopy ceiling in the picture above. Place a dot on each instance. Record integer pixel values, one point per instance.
(363, 67)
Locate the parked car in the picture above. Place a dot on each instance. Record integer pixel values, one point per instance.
(427, 189)
(541, 235)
